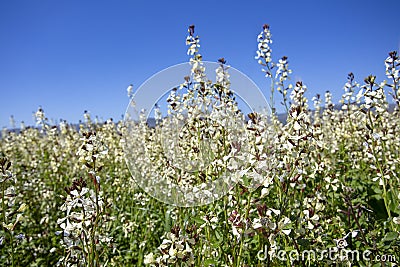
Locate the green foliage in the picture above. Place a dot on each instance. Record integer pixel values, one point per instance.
(331, 183)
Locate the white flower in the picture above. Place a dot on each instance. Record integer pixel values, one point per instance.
(149, 258)
(276, 212)
(334, 183)
(236, 233)
(257, 223)
(283, 224)
(129, 90)
(264, 51)
(264, 192)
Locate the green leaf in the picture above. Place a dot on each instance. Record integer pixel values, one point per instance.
(199, 220)
(378, 206)
(390, 236)
(167, 223)
(378, 191)
(218, 235)
(393, 202)
(208, 262)
(303, 242)
(246, 181)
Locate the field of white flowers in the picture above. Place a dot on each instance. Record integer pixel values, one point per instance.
(328, 179)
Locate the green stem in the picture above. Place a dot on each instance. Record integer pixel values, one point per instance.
(5, 221)
(12, 247)
(242, 235)
(3, 204)
(385, 200)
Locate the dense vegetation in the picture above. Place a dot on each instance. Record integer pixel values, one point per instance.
(328, 180)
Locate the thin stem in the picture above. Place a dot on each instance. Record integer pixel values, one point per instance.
(385, 200)
(242, 235)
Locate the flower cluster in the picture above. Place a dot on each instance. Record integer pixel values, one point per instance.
(91, 151)
(81, 213)
(176, 248)
(11, 216)
(84, 209)
(392, 64)
(283, 71)
(325, 177)
(189, 147)
(264, 50)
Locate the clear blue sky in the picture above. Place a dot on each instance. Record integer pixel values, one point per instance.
(76, 55)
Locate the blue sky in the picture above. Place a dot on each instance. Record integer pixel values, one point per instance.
(71, 56)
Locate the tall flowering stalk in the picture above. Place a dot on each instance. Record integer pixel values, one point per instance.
(264, 58)
(84, 209)
(392, 64)
(375, 108)
(325, 179)
(281, 68)
(10, 216)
